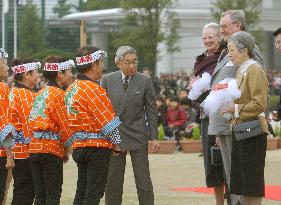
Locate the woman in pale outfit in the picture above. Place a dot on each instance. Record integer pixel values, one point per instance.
(248, 155)
(206, 62)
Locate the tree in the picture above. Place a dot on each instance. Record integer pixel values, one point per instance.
(142, 29)
(102, 4)
(52, 52)
(64, 37)
(31, 31)
(252, 9)
(92, 5)
(62, 8)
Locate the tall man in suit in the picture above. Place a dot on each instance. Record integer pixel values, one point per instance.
(231, 22)
(133, 99)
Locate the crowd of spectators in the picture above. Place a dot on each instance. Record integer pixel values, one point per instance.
(177, 115)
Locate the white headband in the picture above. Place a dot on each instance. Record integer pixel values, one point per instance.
(3, 53)
(90, 58)
(59, 66)
(26, 67)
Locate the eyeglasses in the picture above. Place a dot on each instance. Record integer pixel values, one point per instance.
(223, 26)
(134, 63)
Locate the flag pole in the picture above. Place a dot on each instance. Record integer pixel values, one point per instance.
(3, 24)
(15, 30)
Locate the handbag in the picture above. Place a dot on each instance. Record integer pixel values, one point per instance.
(216, 158)
(248, 129)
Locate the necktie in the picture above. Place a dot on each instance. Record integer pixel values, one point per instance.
(126, 83)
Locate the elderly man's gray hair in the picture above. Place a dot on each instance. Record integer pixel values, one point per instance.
(122, 50)
(236, 16)
(214, 26)
(242, 40)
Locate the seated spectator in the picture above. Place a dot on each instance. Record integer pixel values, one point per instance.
(162, 111)
(162, 116)
(189, 110)
(183, 94)
(176, 119)
(191, 128)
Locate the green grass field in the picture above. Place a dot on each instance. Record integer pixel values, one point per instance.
(168, 172)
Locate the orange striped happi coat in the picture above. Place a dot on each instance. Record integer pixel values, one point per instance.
(21, 101)
(49, 114)
(4, 111)
(89, 110)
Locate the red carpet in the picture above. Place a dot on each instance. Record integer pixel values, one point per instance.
(271, 192)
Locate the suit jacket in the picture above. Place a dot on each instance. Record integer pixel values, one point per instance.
(253, 100)
(219, 125)
(136, 109)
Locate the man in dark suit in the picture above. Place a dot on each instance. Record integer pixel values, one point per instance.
(133, 99)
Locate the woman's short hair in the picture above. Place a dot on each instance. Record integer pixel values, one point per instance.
(122, 50)
(243, 40)
(214, 26)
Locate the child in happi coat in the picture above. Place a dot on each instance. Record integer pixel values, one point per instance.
(49, 147)
(95, 125)
(6, 128)
(21, 101)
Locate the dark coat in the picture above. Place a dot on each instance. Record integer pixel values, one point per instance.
(214, 174)
(205, 63)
